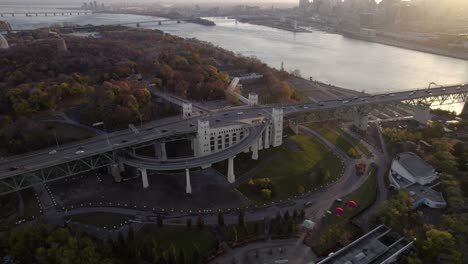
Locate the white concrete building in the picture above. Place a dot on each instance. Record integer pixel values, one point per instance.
(415, 170)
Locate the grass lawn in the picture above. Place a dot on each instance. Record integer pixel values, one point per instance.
(180, 237)
(107, 220)
(364, 197)
(31, 205)
(295, 164)
(355, 142)
(336, 139)
(244, 162)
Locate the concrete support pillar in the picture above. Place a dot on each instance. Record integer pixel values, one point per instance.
(160, 150)
(163, 151)
(267, 137)
(115, 171)
(422, 114)
(188, 184)
(255, 151)
(121, 166)
(260, 142)
(231, 176)
(186, 110)
(144, 177)
(360, 119)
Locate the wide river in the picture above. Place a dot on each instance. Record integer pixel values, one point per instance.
(326, 57)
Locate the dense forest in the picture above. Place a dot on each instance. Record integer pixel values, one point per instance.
(109, 77)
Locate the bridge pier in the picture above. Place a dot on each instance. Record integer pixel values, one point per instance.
(144, 177)
(188, 185)
(255, 150)
(115, 171)
(231, 177)
(186, 110)
(267, 137)
(160, 150)
(422, 114)
(277, 132)
(360, 119)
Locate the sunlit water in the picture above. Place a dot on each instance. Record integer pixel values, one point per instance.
(330, 58)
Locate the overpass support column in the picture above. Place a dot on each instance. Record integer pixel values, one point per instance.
(121, 166)
(160, 150)
(267, 137)
(115, 171)
(422, 114)
(277, 132)
(360, 119)
(188, 184)
(231, 176)
(144, 177)
(255, 150)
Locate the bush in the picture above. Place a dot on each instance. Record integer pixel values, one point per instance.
(266, 193)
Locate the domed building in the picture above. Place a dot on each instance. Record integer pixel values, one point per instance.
(3, 43)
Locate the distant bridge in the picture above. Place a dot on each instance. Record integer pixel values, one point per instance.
(36, 14)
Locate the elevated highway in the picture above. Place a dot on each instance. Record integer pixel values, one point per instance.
(23, 171)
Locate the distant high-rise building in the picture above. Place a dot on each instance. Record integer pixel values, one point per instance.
(304, 4)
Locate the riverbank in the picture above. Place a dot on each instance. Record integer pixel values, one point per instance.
(406, 45)
(272, 23)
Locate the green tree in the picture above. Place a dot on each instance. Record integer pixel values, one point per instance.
(200, 222)
(234, 234)
(196, 258)
(159, 220)
(439, 247)
(181, 257)
(241, 221)
(220, 218)
(266, 194)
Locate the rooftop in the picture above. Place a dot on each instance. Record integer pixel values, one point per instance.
(419, 192)
(377, 246)
(415, 165)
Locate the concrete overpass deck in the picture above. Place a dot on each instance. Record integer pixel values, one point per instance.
(138, 161)
(29, 163)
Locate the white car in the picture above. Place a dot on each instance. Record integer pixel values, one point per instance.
(240, 113)
(52, 152)
(80, 150)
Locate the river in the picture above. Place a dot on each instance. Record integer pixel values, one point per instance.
(330, 58)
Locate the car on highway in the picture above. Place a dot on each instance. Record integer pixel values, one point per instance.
(392, 95)
(14, 168)
(240, 113)
(321, 104)
(344, 101)
(80, 150)
(52, 152)
(459, 87)
(308, 204)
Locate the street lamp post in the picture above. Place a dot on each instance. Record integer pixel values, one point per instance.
(103, 124)
(56, 140)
